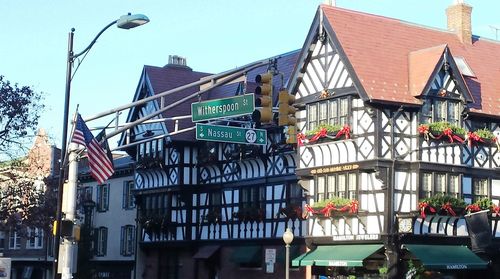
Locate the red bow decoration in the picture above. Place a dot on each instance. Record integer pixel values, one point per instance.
(424, 129)
(495, 209)
(354, 206)
(473, 137)
(423, 206)
(300, 139)
(327, 210)
(346, 130)
(472, 208)
(321, 134)
(447, 207)
(449, 133)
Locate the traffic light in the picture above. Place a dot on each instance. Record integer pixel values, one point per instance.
(286, 110)
(291, 134)
(264, 98)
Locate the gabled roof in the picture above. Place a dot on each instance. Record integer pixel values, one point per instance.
(378, 50)
(422, 65)
(169, 77)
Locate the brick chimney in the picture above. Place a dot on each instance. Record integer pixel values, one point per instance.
(459, 20)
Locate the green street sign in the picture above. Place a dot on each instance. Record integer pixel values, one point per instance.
(230, 134)
(219, 108)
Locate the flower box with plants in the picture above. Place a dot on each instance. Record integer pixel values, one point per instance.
(482, 136)
(292, 211)
(442, 131)
(324, 132)
(441, 205)
(334, 206)
(250, 214)
(483, 204)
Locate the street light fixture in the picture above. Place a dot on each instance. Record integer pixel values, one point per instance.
(125, 22)
(287, 238)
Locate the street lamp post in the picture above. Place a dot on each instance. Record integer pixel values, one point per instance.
(124, 22)
(287, 238)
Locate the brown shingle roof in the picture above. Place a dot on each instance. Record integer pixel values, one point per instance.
(170, 77)
(378, 48)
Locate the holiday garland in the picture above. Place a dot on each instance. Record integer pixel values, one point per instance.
(330, 206)
(451, 206)
(327, 131)
(452, 133)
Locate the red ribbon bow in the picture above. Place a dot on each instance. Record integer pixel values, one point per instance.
(346, 130)
(321, 134)
(300, 139)
(423, 206)
(447, 207)
(327, 210)
(423, 129)
(472, 208)
(473, 137)
(449, 133)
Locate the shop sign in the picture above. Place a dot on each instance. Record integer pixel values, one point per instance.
(356, 237)
(456, 266)
(337, 263)
(335, 169)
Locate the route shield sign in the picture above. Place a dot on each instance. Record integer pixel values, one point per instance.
(219, 108)
(230, 134)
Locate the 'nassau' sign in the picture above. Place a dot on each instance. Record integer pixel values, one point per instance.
(230, 134)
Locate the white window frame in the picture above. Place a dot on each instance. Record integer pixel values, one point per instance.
(102, 241)
(14, 240)
(35, 238)
(127, 245)
(128, 198)
(103, 197)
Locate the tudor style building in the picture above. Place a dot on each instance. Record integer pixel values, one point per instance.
(210, 209)
(393, 113)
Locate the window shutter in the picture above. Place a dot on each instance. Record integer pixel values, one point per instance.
(124, 195)
(122, 241)
(106, 197)
(95, 238)
(104, 241)
(99, 198)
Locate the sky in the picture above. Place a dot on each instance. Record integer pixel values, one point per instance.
(214, 36)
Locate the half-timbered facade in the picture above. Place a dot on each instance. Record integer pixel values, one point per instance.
(393, 113)
(210, 209)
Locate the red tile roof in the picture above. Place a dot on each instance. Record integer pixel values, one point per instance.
(421, 67)
(378, 49)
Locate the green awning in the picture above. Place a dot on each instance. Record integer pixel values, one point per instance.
(247, 254)
(446, 257)
(337, 255)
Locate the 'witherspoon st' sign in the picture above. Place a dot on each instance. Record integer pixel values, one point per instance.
(230, 134)
(227, 107)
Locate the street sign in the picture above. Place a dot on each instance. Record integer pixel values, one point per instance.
(230, 134)
(219, 108)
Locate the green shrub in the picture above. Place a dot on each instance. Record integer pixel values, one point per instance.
(329, 128)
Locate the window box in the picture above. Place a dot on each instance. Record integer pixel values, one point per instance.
(332, 207)
(441, 205)
(250, 214)
(482, 137)
(324, 132)
(442, 131)
(292, 211)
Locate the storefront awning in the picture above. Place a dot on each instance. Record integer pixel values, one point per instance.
(205, 252)
(246, 254)
(337, 255)
(446, 257)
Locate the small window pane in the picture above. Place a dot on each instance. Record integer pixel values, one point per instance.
(321, 188)
(334, 112)
(342, 186)
(331, 186)
(426, 187)
(453, 186)
(323, 117)
(440, 187)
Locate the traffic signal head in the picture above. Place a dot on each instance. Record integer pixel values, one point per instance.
(291, 134)
(264, 98)
(286, 110)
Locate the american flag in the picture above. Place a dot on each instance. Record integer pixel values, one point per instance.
(101, 166)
